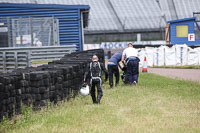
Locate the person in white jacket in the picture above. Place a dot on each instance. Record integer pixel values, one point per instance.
(130, 57)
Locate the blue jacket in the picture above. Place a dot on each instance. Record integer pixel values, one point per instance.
(115, 59)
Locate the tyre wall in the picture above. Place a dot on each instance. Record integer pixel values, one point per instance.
(58, 81)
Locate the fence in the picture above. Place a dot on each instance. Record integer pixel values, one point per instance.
(28, 32)
(13, 58)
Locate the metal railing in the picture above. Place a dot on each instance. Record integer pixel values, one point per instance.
(21, 57)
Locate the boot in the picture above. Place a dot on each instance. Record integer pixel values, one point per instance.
(94, 100)
(98, 101)
(116, 84)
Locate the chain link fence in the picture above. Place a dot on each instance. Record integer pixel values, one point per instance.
(29, 32)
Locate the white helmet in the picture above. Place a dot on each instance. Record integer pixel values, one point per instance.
(85, 90)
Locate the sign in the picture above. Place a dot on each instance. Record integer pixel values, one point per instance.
(3, 29)
(120, 45)
(1, 24)
(26, 39)
(113, 45)
(191, 37)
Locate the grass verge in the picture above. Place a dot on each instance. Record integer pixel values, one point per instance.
(157, 104)
(41, 62)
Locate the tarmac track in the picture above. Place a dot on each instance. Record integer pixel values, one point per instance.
(183, 74)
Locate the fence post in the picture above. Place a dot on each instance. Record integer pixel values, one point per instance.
(164, 56)
(20, 32)
(31, 28)
(16, 60)
(28, 59)
(4, 61)
(9, 37)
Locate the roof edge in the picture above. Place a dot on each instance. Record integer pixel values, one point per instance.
(181, 20)
(81, 7)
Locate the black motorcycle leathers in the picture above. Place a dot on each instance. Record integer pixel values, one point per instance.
(93, 76)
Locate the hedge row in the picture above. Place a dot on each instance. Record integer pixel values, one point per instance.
(57, 81)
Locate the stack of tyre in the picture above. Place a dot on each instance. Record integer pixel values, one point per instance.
(10, 95)
(57, 81)
(6, 97)
(40, 83)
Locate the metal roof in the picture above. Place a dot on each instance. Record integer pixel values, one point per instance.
(127, 15)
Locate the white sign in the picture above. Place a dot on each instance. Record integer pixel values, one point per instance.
(191, 37)
(3, 29)
(113, 45)
(26, 39)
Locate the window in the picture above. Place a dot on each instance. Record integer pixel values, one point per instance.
(182, 31)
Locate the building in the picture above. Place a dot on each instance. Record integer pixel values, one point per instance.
(122, 20)
(182, 31)
(66, 26)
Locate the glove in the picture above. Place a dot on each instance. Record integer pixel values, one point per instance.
(85, 83)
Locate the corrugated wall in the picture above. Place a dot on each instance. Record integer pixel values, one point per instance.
(69, 18)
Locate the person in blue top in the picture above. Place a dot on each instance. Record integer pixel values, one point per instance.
(113, 68)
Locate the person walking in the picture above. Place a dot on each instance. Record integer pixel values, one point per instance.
(113, 68)
(94, 75)
(130, 57)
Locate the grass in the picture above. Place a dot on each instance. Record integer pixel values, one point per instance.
(41, 61)
(157, 104)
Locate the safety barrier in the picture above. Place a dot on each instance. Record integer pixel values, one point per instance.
(177, 55)
(38, 86)
(21, 57)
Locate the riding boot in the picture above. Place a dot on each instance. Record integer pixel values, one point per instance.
(99, 98)
(98, 101)
(94, 100)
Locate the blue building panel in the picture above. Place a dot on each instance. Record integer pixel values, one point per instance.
(182, 40)
(70, 29)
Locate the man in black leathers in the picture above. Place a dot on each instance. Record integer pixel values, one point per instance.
(94, 74)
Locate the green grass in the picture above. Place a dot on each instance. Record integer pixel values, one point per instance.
(41, 62)
(157, 104)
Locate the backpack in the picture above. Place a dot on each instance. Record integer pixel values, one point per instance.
(95, 69)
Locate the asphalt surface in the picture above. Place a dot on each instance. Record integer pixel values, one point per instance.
(183, 74)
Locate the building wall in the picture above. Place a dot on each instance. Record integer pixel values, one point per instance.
(120, 37)
(182, 40)
(69, 18)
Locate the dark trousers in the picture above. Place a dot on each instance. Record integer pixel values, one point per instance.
(113, 69)
(133, 70)
(98, 84)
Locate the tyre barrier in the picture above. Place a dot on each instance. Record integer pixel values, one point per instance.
(56, 81)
